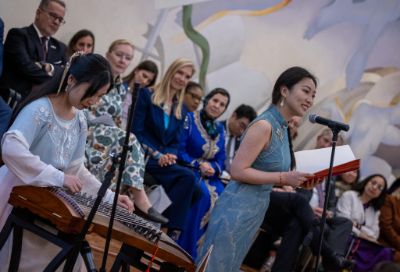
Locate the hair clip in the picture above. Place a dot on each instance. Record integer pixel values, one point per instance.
(67, 66)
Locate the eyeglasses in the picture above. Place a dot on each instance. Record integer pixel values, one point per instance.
(55, 17)
(377, 185)
(194, 96)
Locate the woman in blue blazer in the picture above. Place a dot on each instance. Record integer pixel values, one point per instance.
(158, 121)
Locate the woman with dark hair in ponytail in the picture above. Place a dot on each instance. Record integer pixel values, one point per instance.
(263, 159)
(202, 145)
(45, 146)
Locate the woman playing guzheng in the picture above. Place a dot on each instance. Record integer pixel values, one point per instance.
(45, 146)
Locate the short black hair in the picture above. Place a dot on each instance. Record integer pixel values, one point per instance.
(245, 111)
(45, 3)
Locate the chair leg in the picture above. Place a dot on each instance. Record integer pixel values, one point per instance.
(16, 249)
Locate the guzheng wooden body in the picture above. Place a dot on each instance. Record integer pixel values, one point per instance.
(68, 212)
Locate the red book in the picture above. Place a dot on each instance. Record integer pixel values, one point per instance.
(316, 161)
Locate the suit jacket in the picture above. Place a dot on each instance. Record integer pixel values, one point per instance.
(1, 45)
(22, 49)
(331, 200)
(148, 126)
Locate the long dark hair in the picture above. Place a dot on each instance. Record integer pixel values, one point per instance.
(80, 34)
(377, 202)
(288, 79)
(146, 65)
(214, 92)
(90, 68)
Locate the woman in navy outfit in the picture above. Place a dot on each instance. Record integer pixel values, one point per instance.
(158, 122)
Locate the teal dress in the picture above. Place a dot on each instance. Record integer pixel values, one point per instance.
(241, 207)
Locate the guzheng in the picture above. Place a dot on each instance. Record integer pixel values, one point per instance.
(67, 212)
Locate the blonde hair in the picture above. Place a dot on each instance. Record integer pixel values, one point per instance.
(162, 90)
(119, 42)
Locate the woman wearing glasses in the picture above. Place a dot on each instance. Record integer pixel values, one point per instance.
(361, 205)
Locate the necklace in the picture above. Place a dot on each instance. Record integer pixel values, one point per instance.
(165, 107)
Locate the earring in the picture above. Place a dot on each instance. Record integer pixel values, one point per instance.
(282, 102)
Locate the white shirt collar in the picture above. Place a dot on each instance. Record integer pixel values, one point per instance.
(39, 33)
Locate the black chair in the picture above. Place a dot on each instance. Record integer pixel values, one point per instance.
(11, 97)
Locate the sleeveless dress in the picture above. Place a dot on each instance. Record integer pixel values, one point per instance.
(241, 207)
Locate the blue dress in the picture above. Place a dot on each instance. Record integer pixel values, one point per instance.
(241, 207)
(197, 146)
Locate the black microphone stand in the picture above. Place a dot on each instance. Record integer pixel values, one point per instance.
(335, 132)
(81, 237)
(122, 160)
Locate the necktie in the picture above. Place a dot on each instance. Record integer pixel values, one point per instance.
(44, 47)
(321, 195)
(229, 153)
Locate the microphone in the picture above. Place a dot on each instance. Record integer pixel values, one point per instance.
(313, 118)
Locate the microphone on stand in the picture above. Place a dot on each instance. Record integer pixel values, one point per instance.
(313, 118)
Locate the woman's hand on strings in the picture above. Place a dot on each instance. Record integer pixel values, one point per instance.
(72, 183)
(126, 203)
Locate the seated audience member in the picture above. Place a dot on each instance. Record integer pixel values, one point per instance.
(105, 134)
(203, 147)
(82, 41)
(31, 54)
(143, 75)
(5, 110)
(234, 128)
(389, 220)
(193, 96)
(361, 205)
(158, 122)
(337, 228)
(345, 182)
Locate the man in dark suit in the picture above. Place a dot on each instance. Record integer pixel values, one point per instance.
(31, 55)
(234, 128)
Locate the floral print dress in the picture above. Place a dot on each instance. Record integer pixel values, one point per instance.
(106, 135)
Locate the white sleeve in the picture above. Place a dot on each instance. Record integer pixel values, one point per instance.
(371, 226)
(26, 166)
(344, 209)
(91, 184)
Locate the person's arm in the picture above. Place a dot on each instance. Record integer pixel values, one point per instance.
(345, 209)
(26, 166)
(142, 109)
(15, 49)
(371, 226)
(387, 223)
(256, 139)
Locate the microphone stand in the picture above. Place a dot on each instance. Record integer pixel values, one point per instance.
(335, 132)
(122, 160)
(81, 237)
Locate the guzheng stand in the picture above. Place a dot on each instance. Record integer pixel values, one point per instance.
(20, 220)
(131, 256)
